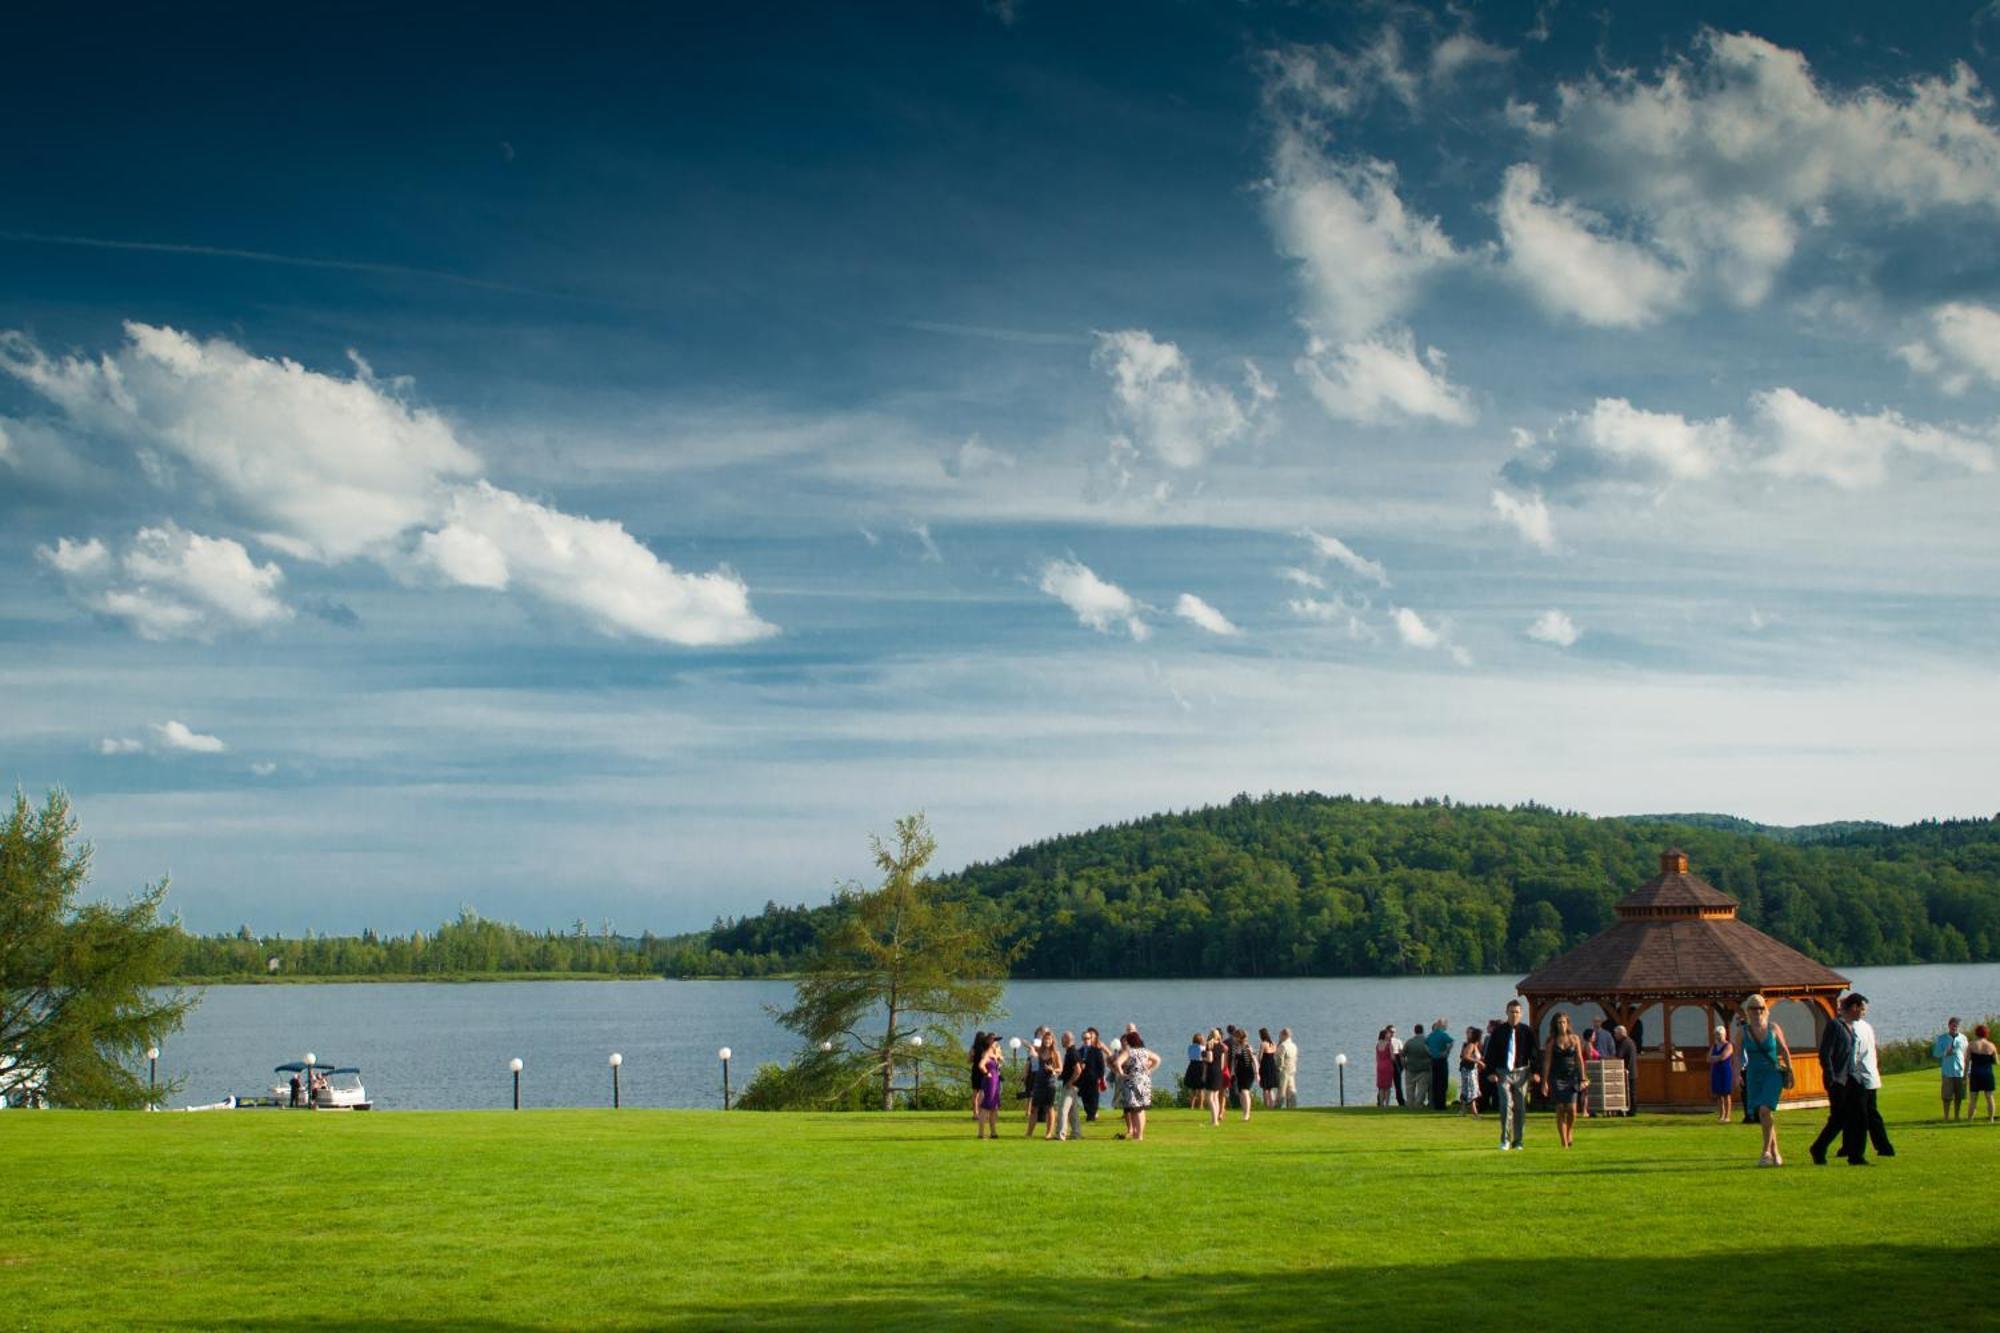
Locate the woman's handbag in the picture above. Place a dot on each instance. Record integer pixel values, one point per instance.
(1785, 1069)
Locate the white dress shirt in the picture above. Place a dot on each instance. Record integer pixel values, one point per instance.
(1864, 1070)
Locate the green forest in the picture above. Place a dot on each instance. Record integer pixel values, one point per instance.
(1302, 885)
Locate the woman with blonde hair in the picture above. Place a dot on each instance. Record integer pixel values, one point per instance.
(1764, 1078)
(1722, 1072)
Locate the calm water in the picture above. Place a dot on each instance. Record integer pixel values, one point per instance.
(447, 1046)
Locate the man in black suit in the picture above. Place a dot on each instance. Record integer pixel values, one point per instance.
(1836, 1061)
(1512, 1054)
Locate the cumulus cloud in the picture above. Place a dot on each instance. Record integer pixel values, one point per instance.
(175, 735)
(1723, 156)
(263, 769)
(1305, 578)
(1554, 627)
(974, 457)
(1338, 551)
(1962, 346)
(1567, 258)
(1166, 411)
(1529, 516)
(1378, 381)
(171, 584)
(1417, 632)
(1783, 434)
(1200, 614)
(590, 568)
(329, 469)
(112, 745)
(1098, 605)
(1362, 256)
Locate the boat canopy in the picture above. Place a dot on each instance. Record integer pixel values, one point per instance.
(300, 1067)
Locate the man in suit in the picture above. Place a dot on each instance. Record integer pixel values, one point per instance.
(1512, 1054)
(1863, 1120)
(1836, 1061)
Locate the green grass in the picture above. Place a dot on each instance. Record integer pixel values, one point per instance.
(564, 1219)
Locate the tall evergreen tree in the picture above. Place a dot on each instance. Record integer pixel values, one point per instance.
(79, 983)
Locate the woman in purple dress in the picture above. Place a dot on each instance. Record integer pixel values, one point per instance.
(990, 1067)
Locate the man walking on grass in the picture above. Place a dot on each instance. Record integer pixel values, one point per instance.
(1863, 1121)
(1511, 1058)
(1949, 1051)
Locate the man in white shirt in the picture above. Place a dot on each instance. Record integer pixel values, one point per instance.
(1949, 1051)
(1288, 1070)
(1864, 1081)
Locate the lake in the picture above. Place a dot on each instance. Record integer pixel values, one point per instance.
(446, 1046)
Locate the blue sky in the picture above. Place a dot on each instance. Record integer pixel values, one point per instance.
(606, 463)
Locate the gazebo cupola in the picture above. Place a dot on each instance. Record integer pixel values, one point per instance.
(1676, 963)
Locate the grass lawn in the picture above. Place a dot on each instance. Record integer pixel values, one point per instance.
(565, 1219)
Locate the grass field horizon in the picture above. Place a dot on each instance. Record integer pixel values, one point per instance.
(548, 1219)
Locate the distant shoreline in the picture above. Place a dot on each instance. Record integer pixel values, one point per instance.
(412, 978)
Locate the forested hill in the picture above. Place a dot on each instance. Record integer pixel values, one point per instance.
(1311, 885)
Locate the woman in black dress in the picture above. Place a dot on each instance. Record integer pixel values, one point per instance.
(1243, 1071)
(1267, 1068)
(1214, 1064)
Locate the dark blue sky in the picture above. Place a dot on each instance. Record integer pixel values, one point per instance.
(608, 461)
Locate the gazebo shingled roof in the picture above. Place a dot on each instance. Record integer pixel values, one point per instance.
(1677, 942)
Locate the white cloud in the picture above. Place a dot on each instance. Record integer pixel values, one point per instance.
(1098, 605)
(928, 544)
(1784, 434)
(1378, 381)
(171, 583)
(1529, 517)
(1333, 611)
(974, 457)
(1338, 551)
(1726, 154)
(77, 560)
(1554, 627)
(175, 735)
(1305, 578)
(1199, 613)
(263, 769)
(331, 469)
(1564, 256)
(1362, 256)
(590, 568)
(1416, 632)
(1170, 414)
(120, 745)
(1963, 347)
(1800, 438)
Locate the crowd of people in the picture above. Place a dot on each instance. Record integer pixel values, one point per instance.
(1500, 1064)
(1065, 1079)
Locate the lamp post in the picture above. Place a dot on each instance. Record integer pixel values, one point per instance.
(1014, 1045)
(616, 1060)
(826, 1047)
(152, 1075)
(515, 1065)
(312, 1062)
(1340, 1064)
(723, 1054)
(917, 1070)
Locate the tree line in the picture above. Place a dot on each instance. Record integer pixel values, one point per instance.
(1284, 886)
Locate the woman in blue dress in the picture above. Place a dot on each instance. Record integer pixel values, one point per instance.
(1722, 1072)
(1764, 1079)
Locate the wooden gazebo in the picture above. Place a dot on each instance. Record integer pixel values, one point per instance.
(1676, 963)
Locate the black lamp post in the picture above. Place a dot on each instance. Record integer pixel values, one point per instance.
(616, 1060)
(152, 1075)
(1340, 1063)
(515, 1065)
(917, 1071)
(724, 1054)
